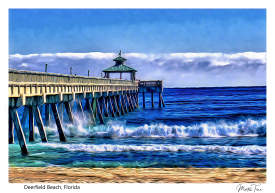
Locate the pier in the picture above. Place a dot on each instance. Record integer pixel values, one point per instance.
(151, 86)
(95, 98)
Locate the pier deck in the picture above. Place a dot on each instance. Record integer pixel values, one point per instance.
(23, 84)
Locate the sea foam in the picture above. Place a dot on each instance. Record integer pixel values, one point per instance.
(247, 150)
(248, 127)
(119, 129)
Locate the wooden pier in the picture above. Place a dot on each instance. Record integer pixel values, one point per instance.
(151, 86)
(95, 98)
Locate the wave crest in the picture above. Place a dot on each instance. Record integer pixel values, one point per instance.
(247, 127)
(247, 150)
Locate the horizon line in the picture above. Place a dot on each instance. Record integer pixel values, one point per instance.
(214, 87)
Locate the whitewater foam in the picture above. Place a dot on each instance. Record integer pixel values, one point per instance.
(119, 129)
(248, 127)
(246, 150)
(80, 128)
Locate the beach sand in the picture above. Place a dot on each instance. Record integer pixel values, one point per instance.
(136, 175)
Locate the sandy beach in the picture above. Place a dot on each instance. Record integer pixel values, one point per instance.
(135, 175)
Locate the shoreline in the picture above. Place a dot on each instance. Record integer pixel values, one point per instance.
(135, 175)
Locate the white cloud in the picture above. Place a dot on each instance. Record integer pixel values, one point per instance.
(24, 65)
(176, 69)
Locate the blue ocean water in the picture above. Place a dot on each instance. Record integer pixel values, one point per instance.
(199, 127)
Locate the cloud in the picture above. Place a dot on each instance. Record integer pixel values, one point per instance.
(176, 69)
(24, 65)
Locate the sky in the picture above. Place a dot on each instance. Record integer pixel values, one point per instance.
(183, 47)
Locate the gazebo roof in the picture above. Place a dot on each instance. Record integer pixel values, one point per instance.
(119, 66)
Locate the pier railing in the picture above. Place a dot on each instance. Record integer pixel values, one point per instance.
(150, 83)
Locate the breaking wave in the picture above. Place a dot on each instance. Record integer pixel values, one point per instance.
(248, 127)
(246, 150)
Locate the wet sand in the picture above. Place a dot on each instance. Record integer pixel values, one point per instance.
(135, 175)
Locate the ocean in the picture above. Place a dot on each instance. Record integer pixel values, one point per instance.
(199, 127)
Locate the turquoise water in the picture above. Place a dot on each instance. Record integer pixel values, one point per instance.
(199, 127)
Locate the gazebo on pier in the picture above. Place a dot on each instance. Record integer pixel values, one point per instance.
(120, 67)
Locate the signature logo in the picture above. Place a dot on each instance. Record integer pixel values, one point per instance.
(249, 188)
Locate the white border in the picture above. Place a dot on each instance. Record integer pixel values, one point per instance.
(140, 4)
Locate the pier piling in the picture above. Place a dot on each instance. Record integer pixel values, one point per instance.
(116, 106)
(19, 131)
(143, 99)
(137, 99)
(24, 117)
(80, 109)
(111, 107)
(94, 107)
(99, 113)
(119, 105)
(31, 124)
(60, 110)
(152, 99)
(105, 107)
(39, 123)
(131, 102)
(58, 123)
(47, 115)
(11, 134)
(163, 104)
(134, 100)
(100, 105)
(90, 110)
(69, 111)
(124, 103)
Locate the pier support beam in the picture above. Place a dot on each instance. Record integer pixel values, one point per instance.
(162, 100)
(58, 123)
(69, 111)
(136, 97)
(116, 106)
(11, 134)
(19, 131)
(133, 100)
(104, 107)
(80, 109)
(143, 99)
(110, 104)
(40, 124)
(113, 104)
(31, 125)
(120, 107)
(24, 117)
(152, 99)
(101, 120)
(90, 110)
(100, 105)
(94, 107)
(129, 104)
(47, 115)
(60, 110)
(159, 99)
(124, 105)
